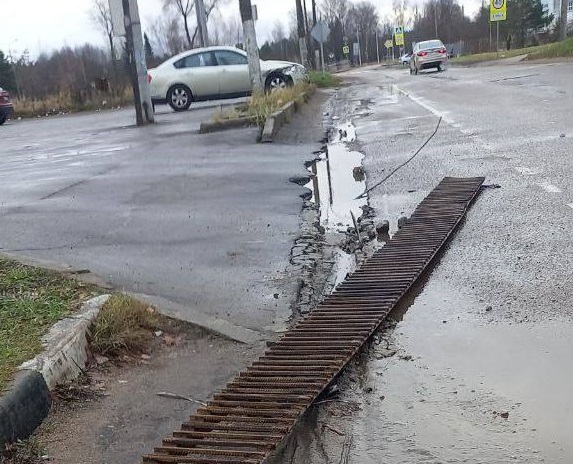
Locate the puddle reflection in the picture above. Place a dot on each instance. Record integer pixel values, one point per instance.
(338, 178)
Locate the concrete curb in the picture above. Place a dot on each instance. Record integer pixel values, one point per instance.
(208, 127)
(208, 322)
(275, 122)
(27, 401)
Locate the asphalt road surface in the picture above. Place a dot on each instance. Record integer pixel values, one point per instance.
(204, 222)
(479, 366)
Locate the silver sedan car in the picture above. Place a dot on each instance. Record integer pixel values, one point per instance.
(214, 73)
(428, 54)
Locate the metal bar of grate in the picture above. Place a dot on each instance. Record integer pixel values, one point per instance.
(248, 419)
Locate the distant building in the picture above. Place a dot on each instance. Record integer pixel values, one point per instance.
(554, 8)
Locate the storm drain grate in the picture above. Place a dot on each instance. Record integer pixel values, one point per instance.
(247, 420)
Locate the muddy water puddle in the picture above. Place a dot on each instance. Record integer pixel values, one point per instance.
(337, 180)
(461, 388)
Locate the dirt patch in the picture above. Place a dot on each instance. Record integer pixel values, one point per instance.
(123, 407)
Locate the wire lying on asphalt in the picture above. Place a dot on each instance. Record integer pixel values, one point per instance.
(366, 192)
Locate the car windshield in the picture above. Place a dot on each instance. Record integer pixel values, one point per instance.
(430, 44)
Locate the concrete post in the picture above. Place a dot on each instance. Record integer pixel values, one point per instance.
(251, 47)
(137, 66)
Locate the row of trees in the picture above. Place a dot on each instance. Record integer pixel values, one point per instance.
(174, 30)
(528, 23)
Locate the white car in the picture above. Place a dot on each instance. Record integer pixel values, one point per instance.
(405, 58)
(214, 73)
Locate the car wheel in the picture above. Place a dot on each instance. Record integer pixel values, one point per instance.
(179, 97)
(2, 120)
(276, 81)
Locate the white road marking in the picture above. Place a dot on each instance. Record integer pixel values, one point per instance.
(430, 108)
(550, 188)
(570, 205)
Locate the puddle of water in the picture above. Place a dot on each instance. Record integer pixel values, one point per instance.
(452, 377)
(337, 180)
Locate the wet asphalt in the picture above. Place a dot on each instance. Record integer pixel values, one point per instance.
(203, 221)
(478, 368)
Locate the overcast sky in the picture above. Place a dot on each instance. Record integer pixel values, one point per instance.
(42, 25)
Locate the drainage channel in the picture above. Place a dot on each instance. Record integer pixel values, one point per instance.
(247, 420)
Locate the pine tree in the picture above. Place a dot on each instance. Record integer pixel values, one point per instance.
(7, 79)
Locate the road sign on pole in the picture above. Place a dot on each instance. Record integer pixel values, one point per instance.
(498, 10)
(320, 32)
(399, 35)
(388, 44)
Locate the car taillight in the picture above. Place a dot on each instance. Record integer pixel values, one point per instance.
(422, 53)
(149, 78)
(442, 50)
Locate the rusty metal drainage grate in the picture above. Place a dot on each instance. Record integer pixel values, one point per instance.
(246, 421)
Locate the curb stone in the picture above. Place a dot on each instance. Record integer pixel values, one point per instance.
(217, 126)
(27, 401)
(281, 117)
(205, 321)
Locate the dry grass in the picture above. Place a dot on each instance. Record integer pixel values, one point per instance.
(124, 324)
(66, 102)
(261, 106)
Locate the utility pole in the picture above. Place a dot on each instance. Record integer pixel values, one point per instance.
(137, 66)
(301, 33)
(313, 13)
(563, 20)
(202, 23)
(251, 47)
(436, 17)
(377, 46)
(359, 47)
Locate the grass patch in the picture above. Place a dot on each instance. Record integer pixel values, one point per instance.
(261, 106)
(31, 301)
(124, 324)
(553, 50)
(324, 80)
(23, 452)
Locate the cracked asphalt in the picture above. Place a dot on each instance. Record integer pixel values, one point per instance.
(204, 224)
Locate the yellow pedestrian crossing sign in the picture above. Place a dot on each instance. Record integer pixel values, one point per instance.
(498, 10)
(399, 35)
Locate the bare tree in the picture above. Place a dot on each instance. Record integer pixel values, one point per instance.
(101, 17)
(167, 36)
(184, 8)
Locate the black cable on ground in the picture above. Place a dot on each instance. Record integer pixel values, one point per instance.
(402, 165)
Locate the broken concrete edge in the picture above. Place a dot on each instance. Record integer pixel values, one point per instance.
(27, 400)
(208, 127)
(208, 322)
(275, 122)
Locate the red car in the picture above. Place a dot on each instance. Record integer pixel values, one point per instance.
(6, 107)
